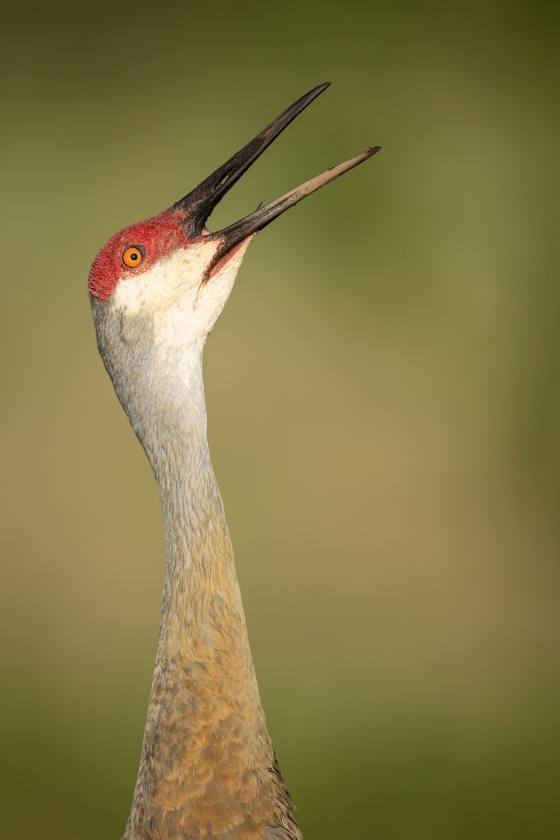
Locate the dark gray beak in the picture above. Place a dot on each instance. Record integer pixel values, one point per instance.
(200, 202)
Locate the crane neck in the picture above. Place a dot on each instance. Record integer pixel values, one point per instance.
(208, 768)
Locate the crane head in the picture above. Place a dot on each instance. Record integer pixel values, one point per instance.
(172, 264)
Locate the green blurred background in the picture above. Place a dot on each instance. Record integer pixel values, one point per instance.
(384, 405)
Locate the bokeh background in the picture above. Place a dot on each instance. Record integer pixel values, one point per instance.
(383, 392)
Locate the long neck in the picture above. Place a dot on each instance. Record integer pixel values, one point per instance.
(208, 769)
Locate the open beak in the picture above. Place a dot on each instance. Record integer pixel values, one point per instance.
(200, 202)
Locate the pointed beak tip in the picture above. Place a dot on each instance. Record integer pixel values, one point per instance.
(200, 202)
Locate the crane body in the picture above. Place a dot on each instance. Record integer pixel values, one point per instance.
(208, 768)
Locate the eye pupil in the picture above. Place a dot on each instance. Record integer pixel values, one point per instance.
(134, 256)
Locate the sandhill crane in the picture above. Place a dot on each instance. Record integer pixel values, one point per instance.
(208, 769)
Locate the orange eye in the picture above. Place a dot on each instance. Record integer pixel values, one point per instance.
(133, 256)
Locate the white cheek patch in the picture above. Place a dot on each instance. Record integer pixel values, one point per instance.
(175, 297)
(171, 278)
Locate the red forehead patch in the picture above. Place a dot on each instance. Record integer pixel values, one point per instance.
(158, 237)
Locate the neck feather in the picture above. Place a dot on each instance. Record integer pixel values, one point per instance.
(208, 769)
